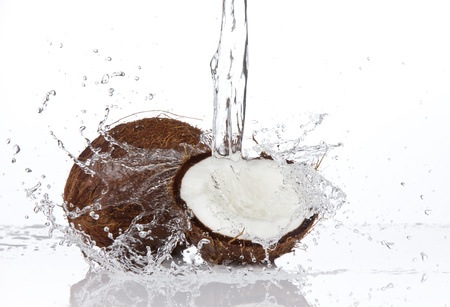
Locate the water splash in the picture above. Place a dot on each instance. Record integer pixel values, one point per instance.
(229, 69)
(46, 100)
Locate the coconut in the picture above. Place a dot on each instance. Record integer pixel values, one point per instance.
(241, 210)
(120, 186)
(150, 184)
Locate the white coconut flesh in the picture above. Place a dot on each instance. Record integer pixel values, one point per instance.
(247, 199)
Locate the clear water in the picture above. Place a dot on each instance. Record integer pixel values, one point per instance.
(229, 68)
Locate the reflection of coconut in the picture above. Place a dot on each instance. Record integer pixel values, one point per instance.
(219, 289)
(129, 192)
(239, 206)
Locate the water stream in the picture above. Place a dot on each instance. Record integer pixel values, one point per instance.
(229, 69)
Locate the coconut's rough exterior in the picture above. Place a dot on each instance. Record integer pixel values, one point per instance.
(222, 249)
(118, 195)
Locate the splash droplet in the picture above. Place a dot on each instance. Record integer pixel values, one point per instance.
(8, 141)
(389, 286)
(428, 211)
(389, 245)
(28, 170)
(424, 256)
(95, 50)
(136, 78)
(402, 183)
(105, 79)
(94, 215)
(109, 59)
(111, 91)
(201, 242)
(118, 74)
(46, 99)
(13, 160)
(16, 149)
(424, 278)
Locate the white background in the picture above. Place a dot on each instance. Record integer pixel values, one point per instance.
(380, 69)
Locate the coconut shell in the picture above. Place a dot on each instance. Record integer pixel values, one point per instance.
(223, 249)
(130, 190)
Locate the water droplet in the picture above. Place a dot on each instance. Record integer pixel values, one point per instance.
(424, 256)
(424, 278)
(136, 78)
(408, 237)
(16, 149)
(389, 286)
(8, 141)
(111, 91)
(389, 245)
(105, 79)
(118, 74)
(421, 197)
(94, 215)
(27, 217)
(150, 96)
(109, 59)
(83, 85)
(428, 211)
(402, 183)
(110, 236)
(60, 45)
(13, 160)
(106, 229)
(201, 242)
(139, 67)
(95, 50)
(28, 170)
(143, 234)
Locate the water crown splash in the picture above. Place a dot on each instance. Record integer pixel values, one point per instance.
(229, 69)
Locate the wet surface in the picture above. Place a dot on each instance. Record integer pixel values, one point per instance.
(376, 265)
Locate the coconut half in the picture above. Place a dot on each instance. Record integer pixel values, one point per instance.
(241, 210)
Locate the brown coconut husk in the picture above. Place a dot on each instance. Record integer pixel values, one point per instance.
(222, 249)
(124, 196)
